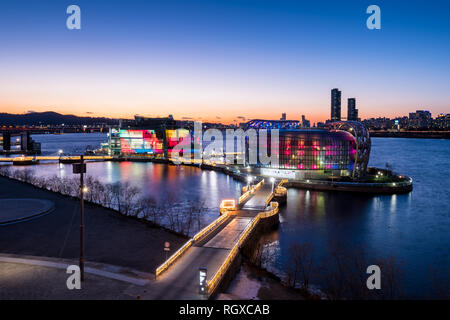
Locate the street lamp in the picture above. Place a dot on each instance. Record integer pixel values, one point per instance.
(80, 168)
(249, 180)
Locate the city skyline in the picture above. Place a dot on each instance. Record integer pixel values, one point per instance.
(219, 62)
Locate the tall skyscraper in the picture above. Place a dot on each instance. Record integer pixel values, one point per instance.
(335, 105)
(283, 116)
(305, 123)
(352, 112)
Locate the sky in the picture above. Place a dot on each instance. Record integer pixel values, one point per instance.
(224, 60)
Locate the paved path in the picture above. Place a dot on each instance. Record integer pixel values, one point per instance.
(19, 210)
(181, 281)
(28, 277)
(258, 200)
(110, 238)
(229, 235)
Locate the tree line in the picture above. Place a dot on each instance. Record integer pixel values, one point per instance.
(183, 217)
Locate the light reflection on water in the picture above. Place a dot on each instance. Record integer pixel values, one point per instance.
(414, 227)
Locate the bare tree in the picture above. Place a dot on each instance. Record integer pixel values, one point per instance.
(439, 286)
(300, 264)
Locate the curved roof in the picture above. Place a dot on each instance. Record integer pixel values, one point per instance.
(340, 134)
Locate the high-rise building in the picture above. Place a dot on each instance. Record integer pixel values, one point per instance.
(283, 116)
(352, 112)
(335, 105)
(305, 123)
(420, 119)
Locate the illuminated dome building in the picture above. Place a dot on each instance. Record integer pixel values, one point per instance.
(307, 153)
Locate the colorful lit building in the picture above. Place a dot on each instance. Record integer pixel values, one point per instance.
(341, 149)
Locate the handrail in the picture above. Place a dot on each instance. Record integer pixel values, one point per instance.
(211, 226)
(212, 284)
(188, 244)
(32, 158)
(173, 257)
(269, 198)
(215, 280)
(358, 184)
(251, 190)
(245, 196)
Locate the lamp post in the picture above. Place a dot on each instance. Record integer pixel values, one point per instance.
(249, 180)
(82, 222)
(80, 168)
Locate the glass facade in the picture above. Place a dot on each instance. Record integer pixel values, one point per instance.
(300, 150)
(175, 137)
(315, 150)
(140, 141)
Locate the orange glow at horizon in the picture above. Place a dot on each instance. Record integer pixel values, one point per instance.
(229, 116)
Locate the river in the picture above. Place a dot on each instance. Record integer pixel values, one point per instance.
(413, 228)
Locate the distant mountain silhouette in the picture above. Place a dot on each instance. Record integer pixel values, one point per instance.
(51, 118)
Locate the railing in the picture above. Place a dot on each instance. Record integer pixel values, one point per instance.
(227, 205)
(173, 257)
(277, 192)
(269, 198)
(212, 284)
(408, 182)
(28, 158)
(189, 244)
(245, 196)
(271, 212)
(210, 227)
(215, 280)
(259, 184)
(249, 192)
(218, 276)
(280, 191)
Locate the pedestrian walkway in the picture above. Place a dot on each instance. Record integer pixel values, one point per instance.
(18, 210)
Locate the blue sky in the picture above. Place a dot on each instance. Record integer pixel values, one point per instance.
(223, 59)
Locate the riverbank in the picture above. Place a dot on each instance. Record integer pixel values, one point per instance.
(109, 236)
(252, 283)
(411, 134)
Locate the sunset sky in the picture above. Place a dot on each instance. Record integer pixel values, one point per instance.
(219, 60)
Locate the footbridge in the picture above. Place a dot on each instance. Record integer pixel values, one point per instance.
(216, 247)
(24, 160)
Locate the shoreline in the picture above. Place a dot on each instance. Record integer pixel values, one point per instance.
(411, 134)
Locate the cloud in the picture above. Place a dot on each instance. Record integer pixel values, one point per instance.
(241, 117)
(88, 112)
(31, 111)
(218, 118)
(186, 118)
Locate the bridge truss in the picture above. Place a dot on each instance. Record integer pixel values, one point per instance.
(363, 144)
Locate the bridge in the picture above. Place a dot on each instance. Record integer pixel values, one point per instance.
(27, 145)
(24, 160)
(216, 248)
